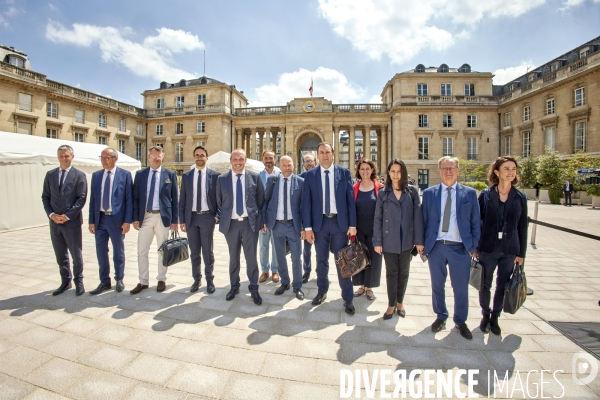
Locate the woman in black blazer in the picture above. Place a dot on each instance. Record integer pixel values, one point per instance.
(503, 240)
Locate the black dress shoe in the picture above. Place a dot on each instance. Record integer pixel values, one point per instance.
(282, 289)
(195, 286)
(464, 331)
(299, 294)
(389, 316)
(257, 298)
(438, 325)
(231, 294)
(210, 286)
(61, 289)
(349, 307)
(305, 277)
(319, 299)
(120, 285)
(102, 287)
(79, 289)
(402, 313)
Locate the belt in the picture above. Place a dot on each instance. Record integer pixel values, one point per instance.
(202, 212)
(450, 243)
(284, 221)
(106, 212)
(330, 215)
(153, 212)
(239, 219)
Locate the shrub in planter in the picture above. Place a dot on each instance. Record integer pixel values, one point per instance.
(555, 193)
(593, 190)
(479, 186)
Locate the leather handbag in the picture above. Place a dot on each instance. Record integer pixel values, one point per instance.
(353, 258)
(174, 250)
(515, 290)
(476, 277)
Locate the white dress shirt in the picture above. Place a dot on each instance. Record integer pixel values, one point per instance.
(234, 179)
(280, 204)
(453, 233)
(66, 173)
(331, 169)
(155, 201)
(203, 202)
(112, 179)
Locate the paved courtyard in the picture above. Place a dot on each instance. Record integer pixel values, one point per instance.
(179, 345)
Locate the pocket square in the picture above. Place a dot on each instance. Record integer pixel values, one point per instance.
(168, 181)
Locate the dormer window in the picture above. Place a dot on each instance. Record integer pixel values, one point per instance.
(16, 61)
(465, 68)
(182, 82)
(583, 53)
(443, 68)
(163, 85)
(420, 68)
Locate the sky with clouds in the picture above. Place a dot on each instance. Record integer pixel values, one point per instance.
(272, 49)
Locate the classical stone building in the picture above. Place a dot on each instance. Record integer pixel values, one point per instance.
(425, 113)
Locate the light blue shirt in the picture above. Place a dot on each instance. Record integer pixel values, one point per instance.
(331, 169)
(453, 233)
(155, 202)
(234, 178)
(280, 215)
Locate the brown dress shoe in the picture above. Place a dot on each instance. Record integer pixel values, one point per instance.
(138, 288)
(275, 277)
(263, 277)
(161, 286)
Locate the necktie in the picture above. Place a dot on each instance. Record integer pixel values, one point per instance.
(285, 198)
(62, 179)
(151, 192)
(106, 194)
(199, 192)
(327, 194)
(239, 199)
(447, 211)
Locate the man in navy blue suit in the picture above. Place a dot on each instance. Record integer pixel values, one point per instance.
(198, 214)
(309, 163)
(155, 211)
(329, 216)
(63, 196)
(452, 228)
(282, 215)
(111, 213)
(240, 198)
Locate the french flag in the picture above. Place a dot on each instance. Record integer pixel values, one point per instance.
(310, 89)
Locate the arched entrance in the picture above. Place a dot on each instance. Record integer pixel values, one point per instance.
(306, 142)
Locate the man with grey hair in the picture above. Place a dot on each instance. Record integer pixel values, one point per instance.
(452, 228)
(308, 162)
(64, 195)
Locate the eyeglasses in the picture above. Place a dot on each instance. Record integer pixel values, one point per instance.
(449, 169)
(105, 158)
(308, 162)
(155, 156)
(201, 156)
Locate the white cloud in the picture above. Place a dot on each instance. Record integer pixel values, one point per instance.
(52, 7)
(328, 83)
(574, 3)
(375, 99)
(505, 75)
(402, 29)
(151, 58)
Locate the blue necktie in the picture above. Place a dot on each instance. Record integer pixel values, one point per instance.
(151, 192)
(106, 194)
(327, 194)
(285, 199)
(199, 192)
(62, 179)
(239, 199)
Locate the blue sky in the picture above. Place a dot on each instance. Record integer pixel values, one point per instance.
(271, 49)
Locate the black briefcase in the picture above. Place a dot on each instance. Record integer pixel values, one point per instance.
(174, 250)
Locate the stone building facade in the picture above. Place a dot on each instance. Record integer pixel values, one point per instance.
(426, 112)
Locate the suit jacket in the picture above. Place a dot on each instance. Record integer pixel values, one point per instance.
(272, 196)
(263, 175)
(167, 196)
(467, 216)
(568, 187)
(255, 199)
(312, 199)
(186, 194)
(121, 197)
(391, 215)
(514, 231)
(70, 200)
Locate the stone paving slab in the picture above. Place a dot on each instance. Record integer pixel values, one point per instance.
(179, 345)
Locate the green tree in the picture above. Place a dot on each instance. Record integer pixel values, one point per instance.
(528, 171)
(580, 160)
(471, 171)
(550, 169)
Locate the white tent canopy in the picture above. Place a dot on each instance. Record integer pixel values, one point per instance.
(24, 161)
(220, 163)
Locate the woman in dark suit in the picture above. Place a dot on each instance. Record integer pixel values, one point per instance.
(365, 196)
(503, 240)
(398, 227)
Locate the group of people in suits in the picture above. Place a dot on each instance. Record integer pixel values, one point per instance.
(279, 208)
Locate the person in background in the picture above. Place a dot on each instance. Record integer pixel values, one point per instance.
(309, 163)
(567, 190)
(503, 240)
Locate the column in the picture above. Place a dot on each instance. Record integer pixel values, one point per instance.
(380, 165)
(384, 147)
(268, 145)
(261, 145)
(238, 144)
(246, 143)
(283, 146)
(351, 139)
(336, 143)
(367, 142)
(252, 142)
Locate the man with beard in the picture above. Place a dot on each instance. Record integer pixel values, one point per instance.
(264, 238)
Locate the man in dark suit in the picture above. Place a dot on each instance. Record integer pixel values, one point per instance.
(111, 212)
(328, 216)
(64, 195)
(452, 228)
(309, 163)
(198, 214)
(155, 211)
(240, 198)
(567, 190)
(282, 215)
